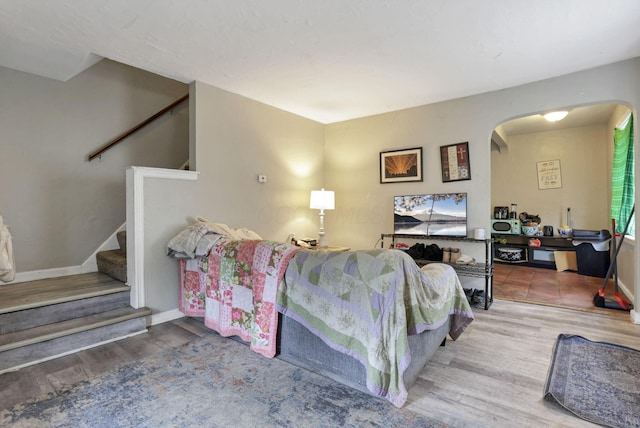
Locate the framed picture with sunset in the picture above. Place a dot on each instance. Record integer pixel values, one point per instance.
(401, 165)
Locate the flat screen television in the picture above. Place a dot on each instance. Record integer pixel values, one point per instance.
(439, 214)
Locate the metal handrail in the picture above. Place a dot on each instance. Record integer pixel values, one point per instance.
(139, 126)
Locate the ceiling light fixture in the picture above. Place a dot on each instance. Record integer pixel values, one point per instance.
(555, 116)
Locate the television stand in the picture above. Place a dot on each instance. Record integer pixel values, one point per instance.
(476, 270)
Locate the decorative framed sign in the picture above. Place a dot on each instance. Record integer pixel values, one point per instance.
(455, 162)
(401, 165)
(549, 174)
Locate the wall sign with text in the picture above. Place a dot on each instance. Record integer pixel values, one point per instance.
(549, 176)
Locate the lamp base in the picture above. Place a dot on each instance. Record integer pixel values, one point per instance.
(322, 241)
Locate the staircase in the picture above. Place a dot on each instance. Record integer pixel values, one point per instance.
(45, 319)
(114, 262)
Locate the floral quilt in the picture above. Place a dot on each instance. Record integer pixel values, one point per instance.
(235, 288)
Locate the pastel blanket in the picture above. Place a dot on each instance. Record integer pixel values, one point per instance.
(235, 289)
(365, 303)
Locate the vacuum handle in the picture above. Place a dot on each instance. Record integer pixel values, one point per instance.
(617, 250)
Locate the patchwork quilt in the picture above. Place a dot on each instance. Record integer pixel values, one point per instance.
(234, 289)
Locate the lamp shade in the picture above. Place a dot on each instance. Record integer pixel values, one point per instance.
(322, 200)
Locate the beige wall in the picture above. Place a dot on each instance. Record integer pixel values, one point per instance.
(236, 139)
(364, 206)
(353, 147)
(582, 153)
(164, 218)
(59, 206)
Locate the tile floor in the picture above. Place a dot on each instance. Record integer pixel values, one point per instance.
(549, 287)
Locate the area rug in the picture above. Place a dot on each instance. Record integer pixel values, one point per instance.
(596, 381)
(210, 382)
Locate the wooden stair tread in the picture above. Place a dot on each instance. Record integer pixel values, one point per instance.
(32, 294)
(52, 331)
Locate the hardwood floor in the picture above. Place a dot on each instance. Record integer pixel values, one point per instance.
(492, 376)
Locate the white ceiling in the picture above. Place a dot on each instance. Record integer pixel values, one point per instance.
(328, 60)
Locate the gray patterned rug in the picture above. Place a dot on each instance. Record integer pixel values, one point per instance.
(211, 382)
(596, 381)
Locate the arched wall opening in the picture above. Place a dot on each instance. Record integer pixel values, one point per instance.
(579, 149)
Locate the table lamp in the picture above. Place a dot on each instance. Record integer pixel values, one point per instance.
(322, 200)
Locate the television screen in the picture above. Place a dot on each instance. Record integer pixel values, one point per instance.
(440, 214)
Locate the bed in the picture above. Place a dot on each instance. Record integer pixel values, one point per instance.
(370, 319)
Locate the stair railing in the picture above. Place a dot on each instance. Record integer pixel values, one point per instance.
(136, 128)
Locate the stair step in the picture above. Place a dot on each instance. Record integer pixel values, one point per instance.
(122, 240)
(30, 318)
(64, 328)
(33, 294)
(113, 263)
(49, 318)
(26, 347)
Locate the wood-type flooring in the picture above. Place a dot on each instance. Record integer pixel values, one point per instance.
(492, 376)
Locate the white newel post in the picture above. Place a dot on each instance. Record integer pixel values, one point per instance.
(135, 198)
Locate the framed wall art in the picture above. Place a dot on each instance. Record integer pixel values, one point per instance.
(401, 165)
(549, 175)
(455, 162)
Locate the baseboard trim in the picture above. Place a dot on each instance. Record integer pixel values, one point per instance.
(35, 275)
(89, 265)
(627, 292)
(635, 316)
(166, 316)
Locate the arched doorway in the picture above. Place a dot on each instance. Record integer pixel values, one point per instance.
(581, 147)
